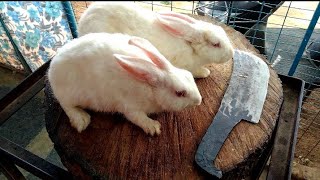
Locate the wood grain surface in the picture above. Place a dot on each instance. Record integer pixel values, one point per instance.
(112, 147)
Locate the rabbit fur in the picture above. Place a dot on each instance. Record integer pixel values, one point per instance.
(118, 73)
(186, 42)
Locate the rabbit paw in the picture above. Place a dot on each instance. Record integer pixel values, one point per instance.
(79, 119)
(152, 127)
(202, 72)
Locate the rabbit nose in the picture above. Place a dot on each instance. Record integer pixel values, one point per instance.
(198, 101)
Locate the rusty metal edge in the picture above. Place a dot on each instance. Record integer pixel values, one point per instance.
(287, 129)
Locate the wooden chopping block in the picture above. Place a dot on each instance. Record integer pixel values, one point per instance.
(113, 148)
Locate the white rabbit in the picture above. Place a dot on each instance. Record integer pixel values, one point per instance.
(186, 42)
(118, 73)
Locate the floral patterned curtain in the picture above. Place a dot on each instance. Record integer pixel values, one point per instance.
(7, 53)
(38, 29)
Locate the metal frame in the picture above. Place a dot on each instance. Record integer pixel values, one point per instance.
(71, 18)
(287, 129)
(305, 40)
(254, 26)
(22, 93)
(12, 154)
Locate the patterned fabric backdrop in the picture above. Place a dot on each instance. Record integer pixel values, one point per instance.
(38, 29)
(7, 53)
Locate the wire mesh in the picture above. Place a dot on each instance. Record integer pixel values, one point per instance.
(285, 26)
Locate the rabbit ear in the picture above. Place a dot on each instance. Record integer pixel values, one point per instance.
(178, 27)
(140, 69)
(151, 51)
(178, 15)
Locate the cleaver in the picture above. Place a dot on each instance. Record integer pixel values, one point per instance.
(243, 100)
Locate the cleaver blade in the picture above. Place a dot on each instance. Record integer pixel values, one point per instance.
(243, 100)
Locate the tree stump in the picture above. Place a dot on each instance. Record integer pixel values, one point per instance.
(113, 148)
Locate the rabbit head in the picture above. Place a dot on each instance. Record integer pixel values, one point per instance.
(173, 88)
(210, 42)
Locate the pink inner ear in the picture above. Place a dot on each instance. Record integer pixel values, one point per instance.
(150, 51)
(170, 29)
(155, 59)
(131, 70)
(184, 17)
(174, 31)
(138, 71)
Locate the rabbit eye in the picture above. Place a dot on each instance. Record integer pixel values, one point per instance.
(216, 45)
(181, 93)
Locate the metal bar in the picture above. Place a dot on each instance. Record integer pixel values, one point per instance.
(146, 2)
(30, 162)
(24, 85)
(234, 17)
(16, 49)
(297, 8)
(259, 17)
(307, 74)
(287, 129)
(229, 11)
(277, 15)
(305, 40)
(152, 5)
(246, 20)
(192, 7)
(272, 8)
(22, 93)
(274, 49)
(15, 105)
(10, 170)
(71, 18)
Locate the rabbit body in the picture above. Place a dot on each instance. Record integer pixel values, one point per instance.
(104, 72)
(186, 42)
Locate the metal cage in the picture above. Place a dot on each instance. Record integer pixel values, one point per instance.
(287, 33)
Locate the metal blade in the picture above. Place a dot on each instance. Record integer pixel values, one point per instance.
(243, 99)
(248, 86)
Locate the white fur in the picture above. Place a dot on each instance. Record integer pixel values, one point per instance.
(85, 74)
(191, 50)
